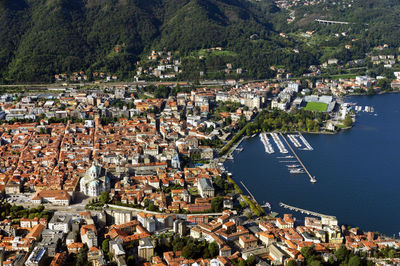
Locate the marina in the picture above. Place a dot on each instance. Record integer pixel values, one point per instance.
(350, 195)
(267, 144)
(293, 168)
(278, 143)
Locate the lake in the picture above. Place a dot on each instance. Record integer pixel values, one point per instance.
(357, 170)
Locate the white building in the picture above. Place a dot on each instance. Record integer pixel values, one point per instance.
(94, 183)
(60, 222)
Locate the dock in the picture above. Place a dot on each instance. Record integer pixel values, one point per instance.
(292, 208)
(308, 146)
(229, 155)
(267, 144)
(278, 142)
(312, 179)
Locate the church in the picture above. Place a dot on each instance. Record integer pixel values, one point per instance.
(94, 182)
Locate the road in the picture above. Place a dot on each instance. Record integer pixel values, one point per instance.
(182, 216)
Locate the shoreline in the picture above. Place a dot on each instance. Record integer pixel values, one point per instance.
(375, 94)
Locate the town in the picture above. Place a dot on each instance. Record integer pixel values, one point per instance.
(114, 175)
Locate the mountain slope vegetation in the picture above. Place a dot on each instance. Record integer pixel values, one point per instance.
(40, 38)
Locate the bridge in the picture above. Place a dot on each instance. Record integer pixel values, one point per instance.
(322, 21)
(292, 208)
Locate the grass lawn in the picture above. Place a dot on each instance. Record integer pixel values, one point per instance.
(319, 107)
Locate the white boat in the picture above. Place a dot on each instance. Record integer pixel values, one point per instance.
(296, 171)
(286, 157)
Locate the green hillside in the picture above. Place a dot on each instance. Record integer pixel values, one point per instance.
(43, 37)
(40, 38)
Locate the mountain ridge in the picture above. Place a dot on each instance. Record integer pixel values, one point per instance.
(44, 37)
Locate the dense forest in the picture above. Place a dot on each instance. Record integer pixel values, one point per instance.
(40, 38)
(43, 37)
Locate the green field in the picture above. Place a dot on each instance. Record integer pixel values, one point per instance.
(312, 106)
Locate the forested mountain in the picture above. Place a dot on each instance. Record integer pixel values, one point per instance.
(39, 38)
(42, 37)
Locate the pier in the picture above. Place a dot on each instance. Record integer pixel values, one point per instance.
(312, 179)
(248, 191)
(292, 208)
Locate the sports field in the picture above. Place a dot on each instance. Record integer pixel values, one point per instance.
(319, 107)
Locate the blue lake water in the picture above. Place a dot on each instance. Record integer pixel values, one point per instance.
(357, 170)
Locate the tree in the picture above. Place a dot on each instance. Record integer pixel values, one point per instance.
(342, 253)
(355, 261)
(242, 263)
(152, 207)
(105, 245)
(392, 253)
(217, 204)
(178, 244)
(384, 84)
(130, 260)
(213, 249)
(187, 251)
(81, 258)
(348, 121)
(40, 208)
(315, 263)
(292, 263)
(104, 197)
(307, 252)
(251, 261)
(219, 182)
(370, 91)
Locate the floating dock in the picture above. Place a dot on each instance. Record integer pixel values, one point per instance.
(279, 143)
(308, 146)
(267, 144)
(294, 140)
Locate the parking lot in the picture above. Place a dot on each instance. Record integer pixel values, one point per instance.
(19, 199)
